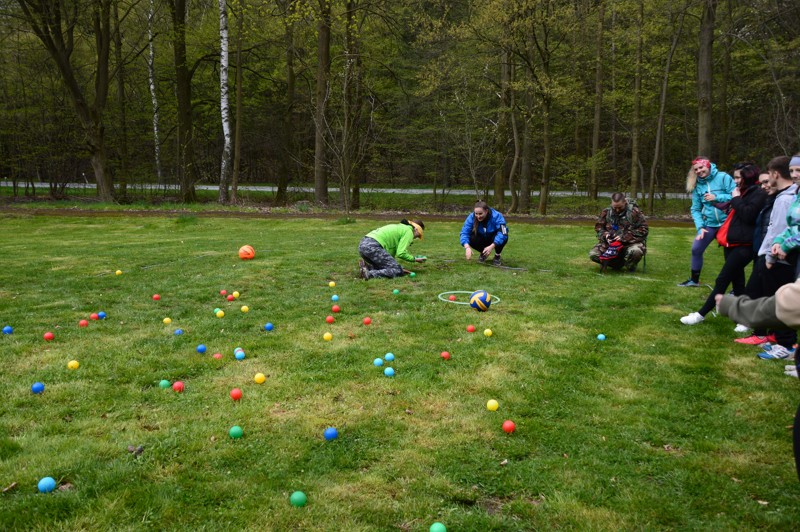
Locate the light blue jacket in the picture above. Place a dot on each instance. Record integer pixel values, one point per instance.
(704, 213)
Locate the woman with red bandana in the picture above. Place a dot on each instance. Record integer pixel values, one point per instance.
(708, 187)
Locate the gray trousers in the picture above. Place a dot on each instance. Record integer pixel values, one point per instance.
(379, 262)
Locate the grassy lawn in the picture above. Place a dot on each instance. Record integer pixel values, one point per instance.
(660, 426)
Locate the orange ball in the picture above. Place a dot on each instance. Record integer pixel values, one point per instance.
(247, 252)
(236, 394)
(509, 426)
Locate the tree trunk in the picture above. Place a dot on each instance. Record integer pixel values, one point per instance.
(151, 73)
(544, 190)
(323, 74)
(288, 123)
(598, 100)
(224, 104)
(527, 148)
(636, 122)
(183, 91)
(512, 184)
(122, 178)
(501, 141)
(705, 75)
(237, 140)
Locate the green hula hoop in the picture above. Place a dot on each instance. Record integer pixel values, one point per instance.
(442, 297)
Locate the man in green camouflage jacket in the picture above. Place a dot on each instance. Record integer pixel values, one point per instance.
(621, 235)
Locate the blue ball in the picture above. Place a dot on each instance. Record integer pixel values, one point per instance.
(331, 433)
(201, 349)
(7, 329)
(389, 372)
(269, 327)
(47, 484)
(37, 387)
(239, 355)
(334, 298)
(378, 362)
(237, 350)
(101, 315)
(389, 357)
(480, 300)
(178, 332)
(601, 337)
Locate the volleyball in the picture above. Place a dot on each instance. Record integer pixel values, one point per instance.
(480, 300)
(247, 252)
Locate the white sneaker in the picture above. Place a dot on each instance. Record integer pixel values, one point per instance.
(741, 328)
(792, 373)
(692, 319)
(790, 367)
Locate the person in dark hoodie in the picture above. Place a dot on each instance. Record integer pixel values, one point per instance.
(748, 198)
(708, 187)
(485, 231)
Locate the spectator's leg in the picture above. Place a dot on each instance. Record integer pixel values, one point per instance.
(736, 259)
(596, 251)
(633, 254)
(698, 248)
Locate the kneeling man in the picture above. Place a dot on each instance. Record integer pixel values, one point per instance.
(621, 233)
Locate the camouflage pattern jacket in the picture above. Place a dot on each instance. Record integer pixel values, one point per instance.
(630, 224)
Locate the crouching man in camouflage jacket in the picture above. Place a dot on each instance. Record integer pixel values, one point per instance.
(621, 233)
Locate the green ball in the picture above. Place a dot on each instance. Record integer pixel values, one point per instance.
(236, 432)
(412, 275)
(437, 527)
(298, 499)
(164, 384)
(395, 291)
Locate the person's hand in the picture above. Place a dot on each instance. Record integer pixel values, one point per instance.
(736, 193)
(419, 259)
(708, 196)
(406, 272)
(468, 252)
(718, 298)
(701, 233)
(617, 238)
(769, 265)
(777, 251)
(488, 249)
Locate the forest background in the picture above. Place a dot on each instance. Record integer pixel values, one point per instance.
(526, 96)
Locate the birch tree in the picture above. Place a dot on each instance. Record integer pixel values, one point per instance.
(224, 104)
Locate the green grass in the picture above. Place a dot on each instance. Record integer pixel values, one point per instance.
(661, 426)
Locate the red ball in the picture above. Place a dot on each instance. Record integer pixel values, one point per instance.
(230, 297)
(509, 426)
(217, 355)
(236, 394)
(178, 386)
(223, 292)
(452, 298)
(156, 297)
(83, 323)
(367, 320)
(335, 308)
(445, 355)
(470, 328)
(329, 319)
(94, 316)
(48, 336)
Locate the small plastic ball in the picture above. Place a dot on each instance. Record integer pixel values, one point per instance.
(601, 337)
(46, 485)
(509, 426)
(269, 327)
(8, 329)
(298, 499)
(201, 349)
(48, 336)
(102, 315)
(331, 433)
(217, 310)
(118, 272)
(334, 298)
(83, 323)
(217, 356)
(329, 319)
(389, 372)
(178, 332)
(164, 384)
(452, 297)
(378, 362)
(220, 314)
(94, 316)
(236, 394)
(230, 297)
(156, 297)
(332, 284)
(492, 405)
(367, 320)
(245, 308)
(445, 355)
(73, 364)
(236, 432)
(395, 291)
(223, 292)
(239, 355)
(389, 357)
(470, 328)
(437, 527)
(259, 378)
(327, 337)
(335, 308)
(412, 275)
(167, 321)
(487, 332)
(178, 386)
(37, 387)
(237, 349)
(236, 295)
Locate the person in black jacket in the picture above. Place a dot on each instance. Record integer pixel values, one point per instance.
(748, 198)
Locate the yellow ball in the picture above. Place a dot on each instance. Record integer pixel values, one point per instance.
(245, 308)
(492, 405)
(167, 321)
(259, 378)
(236, 295)
(332, 284)
(220, 314)
(327, 337)
(118, 272)
(487, 332)
(73, 364)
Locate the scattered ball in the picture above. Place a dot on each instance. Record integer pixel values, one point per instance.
(217, 356)
(509, 426)
(332, 284)
(236, 394)
(178, 332)
(73, 364)
(239, 355)
(223, 292)
(492, 405)
(480, 300)
(331, 433)
(601, 337)
(167, 321)
(367, 320)
(178, 386)
(327, 337)
(46, 485)
(470, 328)
(437, 527)
(445, 355)
(298, 499)
(230, 297)
(217, 310)
(235, 295)
(220, 314)
(487, 332)
(201, 349)
(8, 329)
(378, 362)
(395, 291)
(268, 327)
(336, 308)
(452, 297)
(156, 297)
(118, 272)
(389, 357)
(389, 372)
(329, 319)
(48, 336)
(83, 323)
(247, 252)
(412, 275)
(101, 315)
(334, 298)
(259, 378)
(236, 350)
(236, 432)
(94, 316)
(245, 309)
(164, 384)
(37, 388)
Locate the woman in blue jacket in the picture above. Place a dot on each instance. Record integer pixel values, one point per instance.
(708, 187)
(484, 230)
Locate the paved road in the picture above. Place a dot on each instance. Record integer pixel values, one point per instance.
(365, 190)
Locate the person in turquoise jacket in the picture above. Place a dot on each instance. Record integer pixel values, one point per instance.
(485, 231)
(711, 190)
(379, 248)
